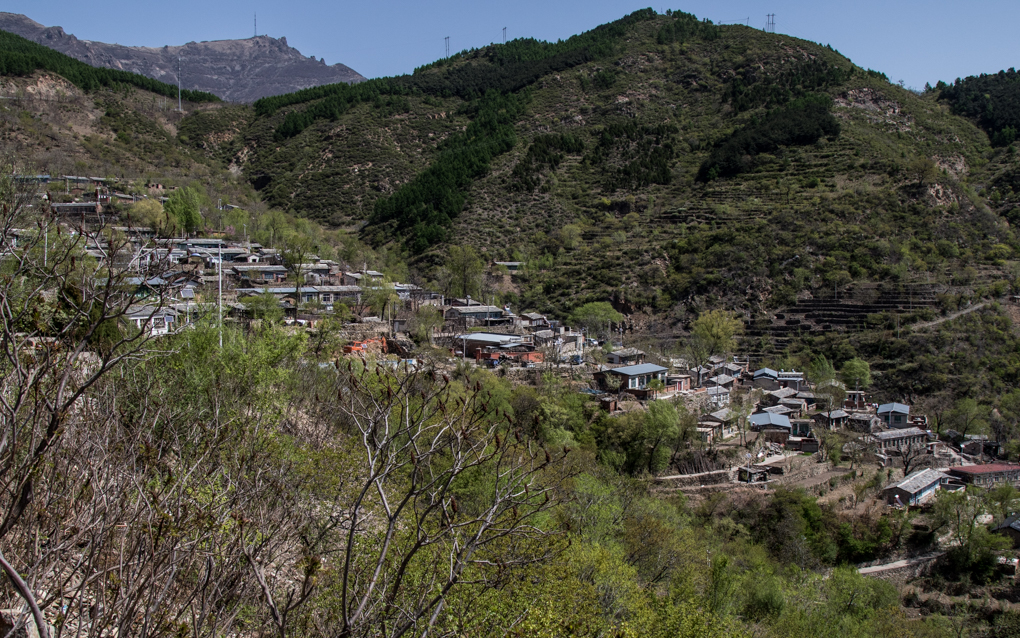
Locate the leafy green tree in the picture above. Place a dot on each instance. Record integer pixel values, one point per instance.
(968, 416)
(467, 271)
(975, 549)
(821, 370)
(147, 213)
(424, 323)
(661, 426)
(183, 209)
(856, 373)
(717, 329)
(264, 307)
(596, 316)
(924, 170)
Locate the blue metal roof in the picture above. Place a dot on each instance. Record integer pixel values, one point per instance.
(644, 368)
(768, 418)
(893, 407)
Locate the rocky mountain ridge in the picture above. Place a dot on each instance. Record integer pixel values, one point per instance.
(235, 70)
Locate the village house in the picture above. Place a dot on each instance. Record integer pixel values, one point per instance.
(775, 397)
(733, 369)
(479, 314)
(635, 379)
(832, 420)
(328, 295)
(681, 381)
(258, 273)
(489, 347)
(791, 379)
(895, 415)
(724, 423)
(362, 278)
(1011, 529)
(626, 356)
(897, 439)
(987, 475)
(855, 400)
(532, 321)
(766, 379)
(764, 421)
(717, 396)
(152, 320)
(863, 422)
(721, 381)
(511, 266)
(916, 489)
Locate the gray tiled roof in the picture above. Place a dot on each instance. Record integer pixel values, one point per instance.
(919, 480)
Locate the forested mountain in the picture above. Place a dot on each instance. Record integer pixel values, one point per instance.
(659, 159)
(234, 70)
(247, 478)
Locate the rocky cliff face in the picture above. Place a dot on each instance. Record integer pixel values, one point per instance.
(235, 70)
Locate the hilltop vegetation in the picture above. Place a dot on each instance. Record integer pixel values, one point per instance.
(658, 143)
(21, 57)
(993, 100)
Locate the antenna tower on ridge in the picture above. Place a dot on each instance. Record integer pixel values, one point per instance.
(448, 47)
(504, 35)
(256, 24)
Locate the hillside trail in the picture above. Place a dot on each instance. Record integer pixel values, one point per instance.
(949, 317)
(898, 564)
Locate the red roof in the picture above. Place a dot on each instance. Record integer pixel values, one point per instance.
(985, 469)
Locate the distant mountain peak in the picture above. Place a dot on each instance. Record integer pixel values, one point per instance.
(235, 70)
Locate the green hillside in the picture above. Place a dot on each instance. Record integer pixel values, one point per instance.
(660, 160)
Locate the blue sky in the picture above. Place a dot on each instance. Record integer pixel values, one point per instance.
(909, 40)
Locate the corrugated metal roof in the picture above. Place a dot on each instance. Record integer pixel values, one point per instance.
(899, 434)
(919, 480)
(644, 368)
(893, 407)
(768, 418)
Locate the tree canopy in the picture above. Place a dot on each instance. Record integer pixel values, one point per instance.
(717, 329)
(183, 209)
(596, 316)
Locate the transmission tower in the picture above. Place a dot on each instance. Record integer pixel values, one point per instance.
(770, 23)
(504, 35)
(447, 47)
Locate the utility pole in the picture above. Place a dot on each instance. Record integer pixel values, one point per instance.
(179, 84)
(447, 47)
(256, 24)
(219, 270)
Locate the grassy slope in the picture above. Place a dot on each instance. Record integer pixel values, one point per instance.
(53, 127)
(692, 242)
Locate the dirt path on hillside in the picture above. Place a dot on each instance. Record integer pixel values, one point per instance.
(897, 564)
(949, 317)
